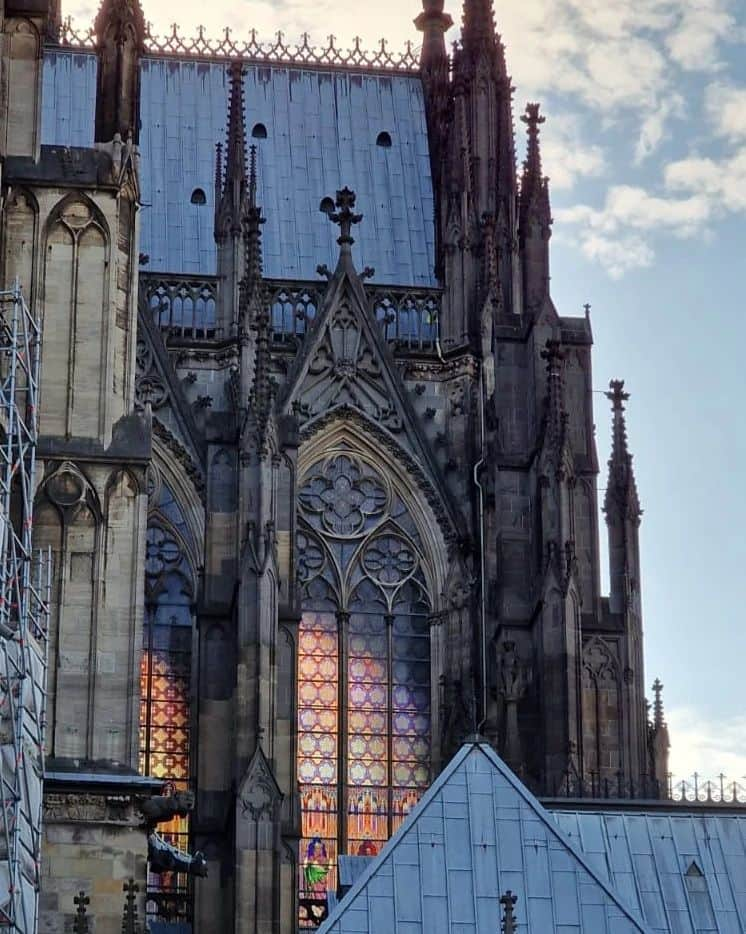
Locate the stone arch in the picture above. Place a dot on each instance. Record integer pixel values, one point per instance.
(23, 83)
(417, 493)
(163, 466)
(20, 234)
(75, 319)
(601, 686)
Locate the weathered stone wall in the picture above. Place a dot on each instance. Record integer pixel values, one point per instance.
(92, 843)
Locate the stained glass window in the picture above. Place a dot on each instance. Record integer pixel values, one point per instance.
(165, 685)
(363, 670)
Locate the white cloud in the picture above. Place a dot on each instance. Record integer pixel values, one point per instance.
(707, 747)
(725, 105)
(565, 153)
(703, 25)
(618, 235)
(722, 182)
(654, 126)
(617, 254)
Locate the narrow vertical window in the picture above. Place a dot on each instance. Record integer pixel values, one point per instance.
(363, 671)
(165, 687)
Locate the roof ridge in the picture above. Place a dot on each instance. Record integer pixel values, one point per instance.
(528, 798)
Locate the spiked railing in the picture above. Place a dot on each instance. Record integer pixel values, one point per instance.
(252, 49)
(695, 790)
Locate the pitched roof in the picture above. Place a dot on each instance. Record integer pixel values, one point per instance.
(321, 128)
(477, 833)
(683, 872)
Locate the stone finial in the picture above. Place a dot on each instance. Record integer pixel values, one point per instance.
(344, 217)
(252, 223)
(658, 716)
(621, 489)
(230, 169)
(80, 922)
(129, 917)
(534, 185)
(509, 923)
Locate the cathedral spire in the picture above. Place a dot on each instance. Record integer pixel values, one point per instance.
(120, 31)
(478, 23)
(535, 216)
(232, 173)
(534, 184)
(621, 490)
(253, 220)
(658, 716)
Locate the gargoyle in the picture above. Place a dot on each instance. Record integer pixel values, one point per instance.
(167, 858)
(162, 808)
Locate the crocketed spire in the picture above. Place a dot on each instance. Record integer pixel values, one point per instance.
(621, 490)
(534, 185)
(478, 22)
(232, 174)
(556, 414)
(253, 221)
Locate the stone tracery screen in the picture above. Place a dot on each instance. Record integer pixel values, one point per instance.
(363, 669)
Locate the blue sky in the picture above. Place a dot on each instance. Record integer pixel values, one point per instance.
(646, 147)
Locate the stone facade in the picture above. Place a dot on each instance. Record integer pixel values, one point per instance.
(195, 458)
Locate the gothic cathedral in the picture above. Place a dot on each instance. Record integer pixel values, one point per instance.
(316, 461)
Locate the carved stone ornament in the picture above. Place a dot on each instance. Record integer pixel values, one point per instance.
(67, 486)
(260, 797)
(150, 387)
(600, 661)
(389, 448)
(87, 808)
(345, 370)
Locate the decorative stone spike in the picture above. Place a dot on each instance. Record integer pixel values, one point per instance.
(80, 922)
(509, 923)
(129, 918)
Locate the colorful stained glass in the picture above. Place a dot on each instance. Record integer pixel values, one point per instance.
(357, 788)
(165, 687)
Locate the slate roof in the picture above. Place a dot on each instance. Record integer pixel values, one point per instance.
(477, 833)
(322, 130)
(683, 872)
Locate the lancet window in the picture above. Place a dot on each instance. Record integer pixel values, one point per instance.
(364, 669)
(165, 681)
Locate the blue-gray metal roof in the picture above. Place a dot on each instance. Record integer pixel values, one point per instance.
(476, 834)
(683, 872)
(322, 130)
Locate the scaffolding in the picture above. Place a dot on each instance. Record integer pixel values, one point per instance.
(25, 583)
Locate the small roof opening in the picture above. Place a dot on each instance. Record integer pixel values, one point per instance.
(259, 131)
(384, 140)
(198, 196)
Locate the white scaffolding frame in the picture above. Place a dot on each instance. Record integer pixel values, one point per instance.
(25, 586)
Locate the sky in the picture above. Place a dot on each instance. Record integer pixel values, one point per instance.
(645, 146)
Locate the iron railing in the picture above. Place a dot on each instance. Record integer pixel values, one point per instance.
(694, 790)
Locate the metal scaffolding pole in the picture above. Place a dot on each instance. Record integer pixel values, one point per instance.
(25, 584)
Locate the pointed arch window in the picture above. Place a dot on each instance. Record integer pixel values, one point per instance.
(165, 681)
(363, 669)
